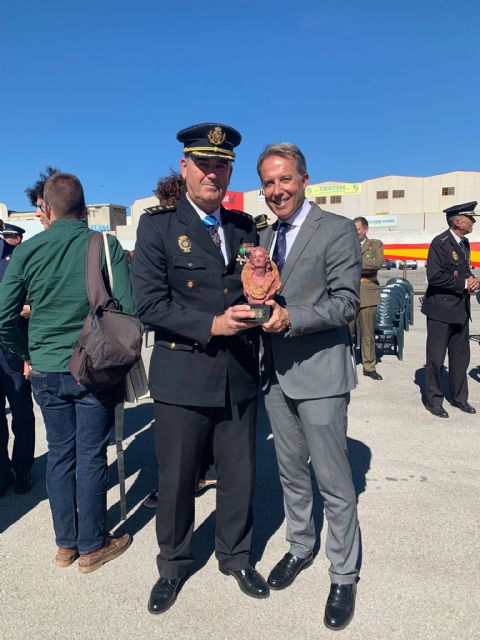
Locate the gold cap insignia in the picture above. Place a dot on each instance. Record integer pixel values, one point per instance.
(185, 244)
(217, 136)
(454, 255)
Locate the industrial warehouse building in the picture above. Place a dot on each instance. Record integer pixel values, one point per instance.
(398, 208)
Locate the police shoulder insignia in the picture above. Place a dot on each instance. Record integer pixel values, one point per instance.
(217, 136)
(185, 244)
(444, 238)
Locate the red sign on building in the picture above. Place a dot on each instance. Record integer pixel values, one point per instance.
(233, 200)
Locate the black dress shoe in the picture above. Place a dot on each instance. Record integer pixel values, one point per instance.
(249, 581)
(5, 483)
(464, 406)
(163, 595)
(340, 606)
(23, 482)
(439, 412)
(372, 374)
(284, 572)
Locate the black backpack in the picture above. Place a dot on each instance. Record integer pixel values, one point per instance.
(110, 341)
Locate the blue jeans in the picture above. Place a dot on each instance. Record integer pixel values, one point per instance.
(78, 423)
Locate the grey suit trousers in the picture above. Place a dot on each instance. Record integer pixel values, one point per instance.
(316, 428)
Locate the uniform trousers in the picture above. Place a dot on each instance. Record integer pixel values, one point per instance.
(15, 388)
(366, 316)
(317, 429)
(181, 435)
(443, 336)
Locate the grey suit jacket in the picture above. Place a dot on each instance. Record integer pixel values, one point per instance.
(321, 279)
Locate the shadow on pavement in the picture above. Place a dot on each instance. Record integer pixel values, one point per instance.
(139, 457)
(13, 507)
(419, 380)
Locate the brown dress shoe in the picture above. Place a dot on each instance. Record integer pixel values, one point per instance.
(65, 557)
(112, 548)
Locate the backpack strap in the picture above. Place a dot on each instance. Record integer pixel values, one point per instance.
(96, 290)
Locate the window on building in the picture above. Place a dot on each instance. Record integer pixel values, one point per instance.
(448, 191)
(321, 200)
(398, 193)
(335, 199)
(382, 195)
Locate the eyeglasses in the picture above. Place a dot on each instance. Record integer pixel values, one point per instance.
(41, 207)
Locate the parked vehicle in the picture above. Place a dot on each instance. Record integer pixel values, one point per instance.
(389, 264)
(407, 264)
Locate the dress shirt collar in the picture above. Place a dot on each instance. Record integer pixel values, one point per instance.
(457, 238)
(298, 217)
(202, 214)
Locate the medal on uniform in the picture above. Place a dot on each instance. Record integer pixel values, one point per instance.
(185, 244)
(244, 252)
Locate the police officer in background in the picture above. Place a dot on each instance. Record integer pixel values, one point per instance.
(204, 367)
(447, 307)
(16, 388)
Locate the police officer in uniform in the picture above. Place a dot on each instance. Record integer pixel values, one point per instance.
(372, 258)
(204, 367)
(15, 388)
(447, 307)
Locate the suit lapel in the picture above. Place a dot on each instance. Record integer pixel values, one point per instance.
(266, 237)
(305, 234)
(187, 215)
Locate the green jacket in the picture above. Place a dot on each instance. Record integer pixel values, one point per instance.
(372, 258)
(50, 268)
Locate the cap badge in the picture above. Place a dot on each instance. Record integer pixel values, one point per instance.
(217, 136)
(185, 244)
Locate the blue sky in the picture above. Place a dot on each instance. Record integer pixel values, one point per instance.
(365, 88)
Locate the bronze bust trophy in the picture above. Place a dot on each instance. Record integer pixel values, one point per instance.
(261, 281)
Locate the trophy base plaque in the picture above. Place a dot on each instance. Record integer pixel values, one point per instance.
(261, 311)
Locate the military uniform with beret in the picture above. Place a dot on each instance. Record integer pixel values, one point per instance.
(199, 382)
(447, 307)
(15, 388)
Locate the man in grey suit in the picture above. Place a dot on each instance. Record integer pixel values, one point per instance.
(308, 373)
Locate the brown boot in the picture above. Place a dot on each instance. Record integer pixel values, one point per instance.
(112, 548)
(65, 557)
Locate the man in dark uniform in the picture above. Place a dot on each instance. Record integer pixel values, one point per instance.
(204, 367)
(16, 388)
(447, 307)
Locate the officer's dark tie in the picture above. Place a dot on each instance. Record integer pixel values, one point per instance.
(212, 225)
(280, 251)
(463, 246)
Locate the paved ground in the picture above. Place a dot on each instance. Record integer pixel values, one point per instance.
(418, 489)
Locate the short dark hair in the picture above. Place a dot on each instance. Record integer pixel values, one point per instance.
(36, 191)
(363, 221)
(286, 150)
(64, 195)
(170, 188)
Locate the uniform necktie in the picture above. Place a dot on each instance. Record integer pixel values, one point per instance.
(280, 251)
(463, 246)
(212, 225)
